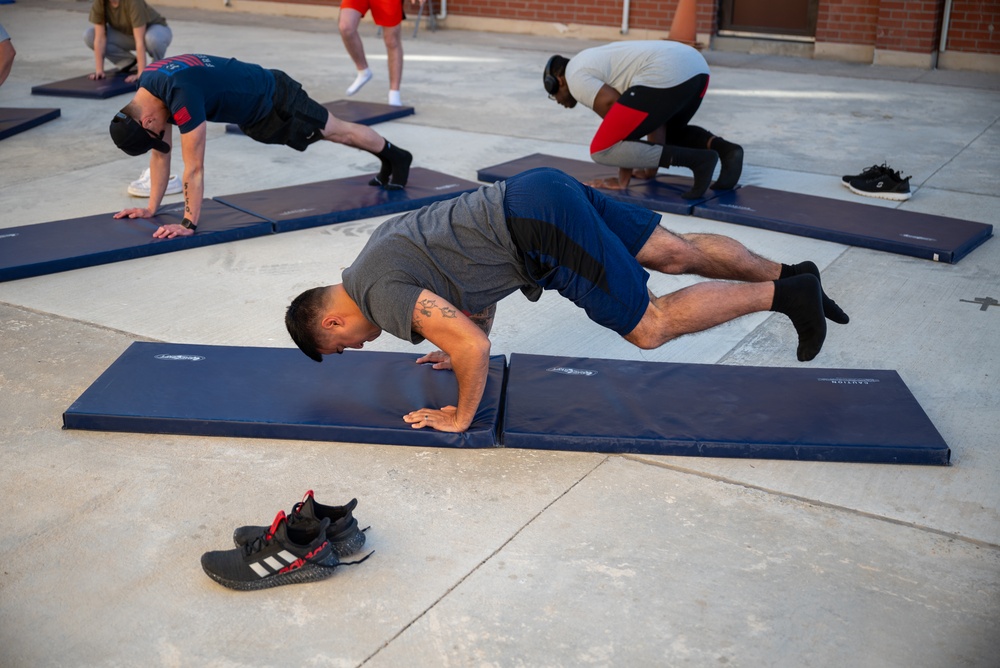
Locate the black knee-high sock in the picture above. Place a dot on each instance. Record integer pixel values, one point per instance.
(830, 308)
(801, 299)
(691, 136)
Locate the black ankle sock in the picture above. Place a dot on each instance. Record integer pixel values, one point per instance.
(382, 178)
(395, 167)
(800, 298)
(830, 308)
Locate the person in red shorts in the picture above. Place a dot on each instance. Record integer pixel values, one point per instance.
(389, 15)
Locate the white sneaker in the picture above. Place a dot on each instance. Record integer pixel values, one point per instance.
(140, 187)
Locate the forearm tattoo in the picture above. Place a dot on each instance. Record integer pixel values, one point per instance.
(428, 307)
(484, 319)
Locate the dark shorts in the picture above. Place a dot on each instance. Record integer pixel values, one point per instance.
(641, 110)
(575, 240)
(296, 119)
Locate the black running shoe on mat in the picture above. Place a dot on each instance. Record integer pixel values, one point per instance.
(889, 185)
(283, 555)
(343, 533)
(869, 173)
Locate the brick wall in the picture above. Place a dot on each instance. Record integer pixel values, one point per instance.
(974, 26)
(909, 25)
(847, 21)
(643, 14)
(887, 25)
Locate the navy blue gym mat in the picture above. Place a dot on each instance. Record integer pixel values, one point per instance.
(656, 408)
(880, 228)
(47, 248)
(360, 396)
(13, 121)
(82, 86)
(341, 200)
(660, 194)
(354, 111)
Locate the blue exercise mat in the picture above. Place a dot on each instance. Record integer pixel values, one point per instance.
(360, 396)
(14, 121)
(47, 248)
(655, 408)
(340, 200)
(853, 223)
(82, 86)
(660, 194)
(354, 111)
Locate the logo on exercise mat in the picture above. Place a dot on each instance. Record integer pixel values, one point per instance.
(737, 206)
(572, 372)
(849, 381)
(179, 358)
(446, 187)
(291, 211)
(7, 236)
(914, 236)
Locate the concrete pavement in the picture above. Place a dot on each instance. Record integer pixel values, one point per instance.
(499, 557)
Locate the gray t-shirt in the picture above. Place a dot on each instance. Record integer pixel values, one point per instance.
(621, 65)
(460, 249)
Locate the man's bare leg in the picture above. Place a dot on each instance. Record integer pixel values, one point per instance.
(394, 53)
(717, 256)
(705, 305)
(348, 23)
(708, 255)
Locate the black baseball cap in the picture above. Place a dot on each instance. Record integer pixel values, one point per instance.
(134, 139)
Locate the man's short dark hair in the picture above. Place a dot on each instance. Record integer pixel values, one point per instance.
(302, 320)
(556, 67)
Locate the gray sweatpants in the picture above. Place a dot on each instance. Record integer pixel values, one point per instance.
(121, 47)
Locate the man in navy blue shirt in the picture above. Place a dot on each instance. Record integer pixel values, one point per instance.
(268, 105)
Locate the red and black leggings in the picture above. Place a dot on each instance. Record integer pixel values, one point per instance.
(641, 110)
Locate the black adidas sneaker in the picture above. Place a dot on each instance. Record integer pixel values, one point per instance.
(343, 533)
(283, 555)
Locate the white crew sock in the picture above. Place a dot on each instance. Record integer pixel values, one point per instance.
(394, 98)
(364, 76)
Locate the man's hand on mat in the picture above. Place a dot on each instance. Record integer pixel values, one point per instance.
(94, 76)
(442, 420)
(172, 230)
(134, 213)
(647, 173)
(439, 358)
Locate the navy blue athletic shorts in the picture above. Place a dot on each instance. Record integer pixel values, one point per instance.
(575, 240)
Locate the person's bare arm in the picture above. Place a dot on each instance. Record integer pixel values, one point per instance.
(468, 348)
(139, 33)
(483, 320)
(100, 47)
(605, 99)
(193, 152)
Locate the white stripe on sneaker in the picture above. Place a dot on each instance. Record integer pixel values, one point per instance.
(274, 563)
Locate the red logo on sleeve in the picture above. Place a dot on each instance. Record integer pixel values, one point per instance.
(181, 116)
